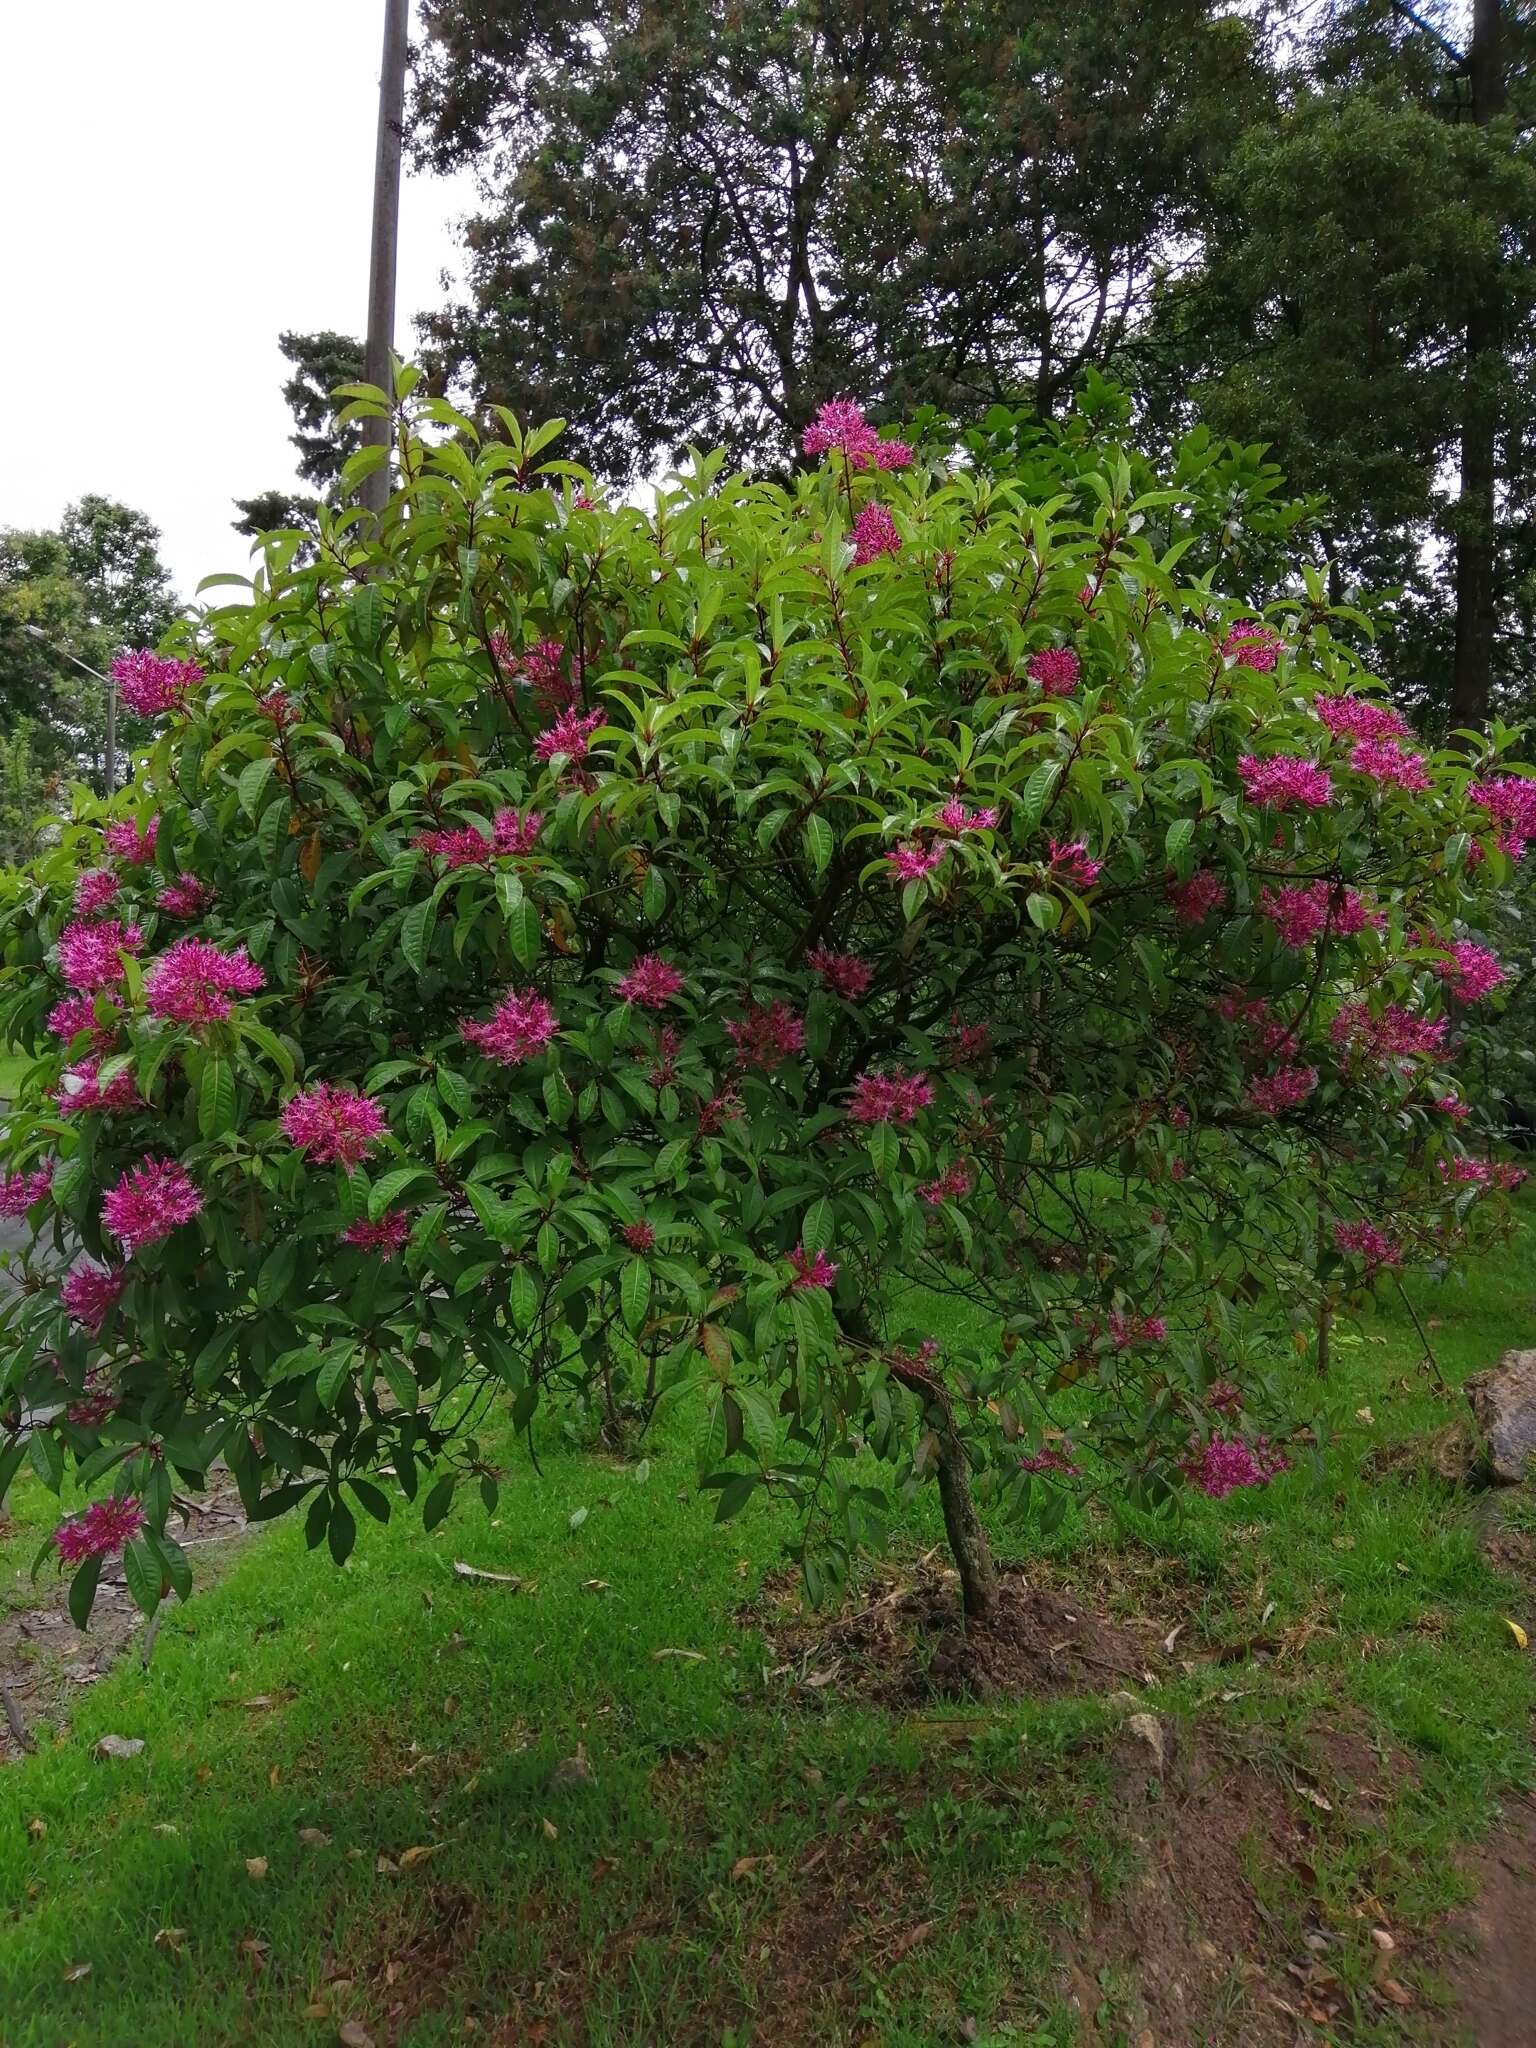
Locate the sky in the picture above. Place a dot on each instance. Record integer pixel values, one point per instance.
(185, 179)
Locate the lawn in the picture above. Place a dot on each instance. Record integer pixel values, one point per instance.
(607, 1804)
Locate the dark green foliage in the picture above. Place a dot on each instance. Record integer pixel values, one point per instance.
(321, 362)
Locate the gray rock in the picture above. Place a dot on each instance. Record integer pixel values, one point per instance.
(1504, 1403)
(1155, 1733)
(118, 1747)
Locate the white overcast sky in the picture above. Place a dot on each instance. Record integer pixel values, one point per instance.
(183, 179)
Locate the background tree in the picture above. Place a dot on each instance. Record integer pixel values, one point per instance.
(321, 362)
(701, 221)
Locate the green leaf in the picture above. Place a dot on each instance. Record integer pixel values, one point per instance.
(523, 1298)
(82, 1592)
(276, 1275)
(438, 1501)
(653, 895)
(1044, 910)
(216, 1097)
(884, 1150)
(819, 842)
(142, 1571)
(416, 932)
(333, 1376)
(523, 933)
(253, 780)
(1179, 834)
(635, 1292)
(819, 1228)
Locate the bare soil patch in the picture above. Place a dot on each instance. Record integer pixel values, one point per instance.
(1495, 1973)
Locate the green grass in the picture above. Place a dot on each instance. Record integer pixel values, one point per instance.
(747, 1860)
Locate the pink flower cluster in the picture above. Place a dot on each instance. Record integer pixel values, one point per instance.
(840, 426)
(1497, 1173)
(1366, 1242)
(1510, 801)
(88, 953)
(889, 1098)
(1453, 1107)
(98, 1399)
(101, 1531)
(1194, 900)
(956, 818)
(1283, 780)
(94, 890)
(149, 1202)
(844, 973)
(1303, 911)
(911, 862)
(1360, 718)
(1226, 1463)
(329, 1122)
(1389, 1034)
(519, 1026)
(466, 846)
(71, 1015)
(1127, 1330)
(1222, 1398)
(1252, 644)
(1471, 973)
(640, 1237)
(1057, 670)
(1266, 1032)
(538, 667)
(20, 1192)
(279, 707)
(1051, 1462)
(952, 1185)
(124, 840)
(766, 1036)
(568, 735)
(874, 535)
(192, 982)
(150, 683)
(386, 1236)
(1385, 762)
(1287, 1088)
(819, 1271)
(89, 1292)
(80, 1089)
(1072, 863)
(185, 897)
(652, 982)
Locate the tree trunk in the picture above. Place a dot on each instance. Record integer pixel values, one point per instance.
(962, 1525)
(1477, 502)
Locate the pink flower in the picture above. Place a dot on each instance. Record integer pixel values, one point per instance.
(1226, 1463)
(967, 1044)
(1389, 1034)
(465, 846)
(819, 1271)
(89, 1292)
(149, 1202)
(88, 953)
(519, 1026)
(151, 683)
(98, 1399)
(766, 1036)
(71, 1015)
(1127, 1330)
(20, 1192)
(1302, 911)
(952, 1185)
(1471, 973)
(94, 890)
(910, 863)
(956, 818)
(1453, 1107)
(1072, 863)
(841, 426)
(1194, 900)
(1056, 669)
(1283, 780)
(279, 707)
(1385, 762)
(874, 535)
(515, 832)
(1223, 1398)
(1051, 1462)
(640, 1237)
(889, 1098)
(539, 669)
(192, 982)
(652, 982)
(185, 897)
(101, 1531)
(1368, 1243)
(718, 1111)
(1287, 1088)
(1360, 718)
(79, 1089)
(1510, 801)
(386, 1236)
(568, 736)
(124, 840)
(328, 1123)
(1252, 644)
(844, 973)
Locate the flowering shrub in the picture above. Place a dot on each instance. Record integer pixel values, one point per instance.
(558, 953)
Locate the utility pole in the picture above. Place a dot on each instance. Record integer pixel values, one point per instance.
(386, 233)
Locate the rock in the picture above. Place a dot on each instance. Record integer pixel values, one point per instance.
(117, 1747)
(571, 1774)
(1155, 1733)
(1504, 1403)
